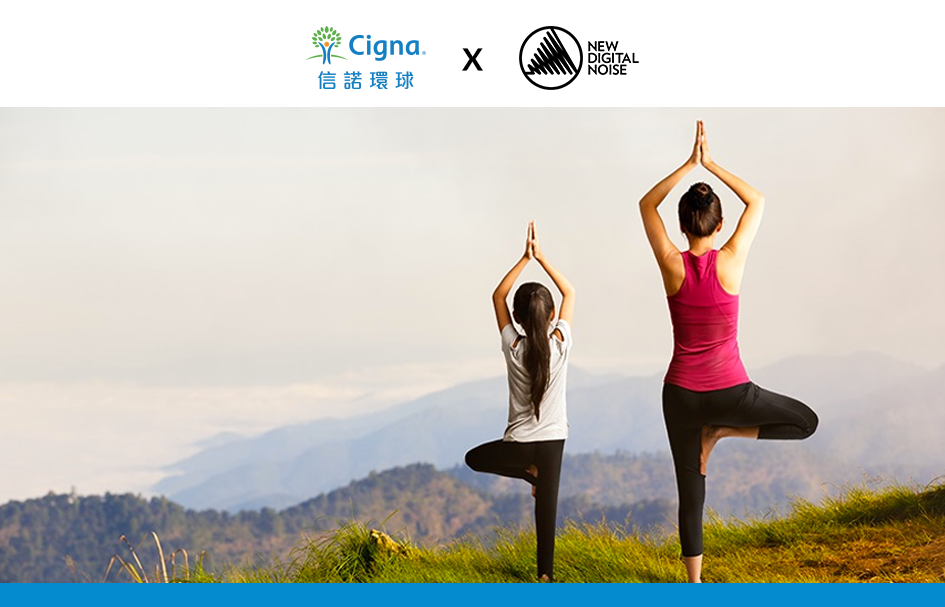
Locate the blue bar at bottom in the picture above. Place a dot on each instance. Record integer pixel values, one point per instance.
(566, 595)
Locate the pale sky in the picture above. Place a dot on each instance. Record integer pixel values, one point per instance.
(169, 274)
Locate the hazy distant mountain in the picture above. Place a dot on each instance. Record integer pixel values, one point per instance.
(288, 465)
(288, 442)
(607, 415)
(822, 380)
(745, 478)
(901, 424)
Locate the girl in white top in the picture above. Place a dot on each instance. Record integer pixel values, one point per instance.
(537, 365)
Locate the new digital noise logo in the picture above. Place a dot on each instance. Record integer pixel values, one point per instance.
(551, 58)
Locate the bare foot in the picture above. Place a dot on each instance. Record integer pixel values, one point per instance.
(710, 436)
(533, 470)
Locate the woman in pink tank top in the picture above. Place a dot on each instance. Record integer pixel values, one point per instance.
(707, 394)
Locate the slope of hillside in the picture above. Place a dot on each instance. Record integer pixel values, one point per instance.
(894, 535)
(62, 538)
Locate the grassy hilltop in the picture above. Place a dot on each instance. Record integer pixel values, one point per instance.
(893, 535)
(447, 530)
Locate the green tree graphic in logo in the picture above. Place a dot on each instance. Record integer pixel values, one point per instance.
(326, 38)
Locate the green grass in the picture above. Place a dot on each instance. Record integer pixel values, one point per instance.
(893, 535)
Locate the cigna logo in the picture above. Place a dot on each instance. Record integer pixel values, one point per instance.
(327, 38)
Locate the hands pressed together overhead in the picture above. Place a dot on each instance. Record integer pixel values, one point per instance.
(700, 149)
(532, 247)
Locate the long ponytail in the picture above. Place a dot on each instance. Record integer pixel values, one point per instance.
(533, 305)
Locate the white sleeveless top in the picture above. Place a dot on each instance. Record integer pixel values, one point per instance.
(522, 425)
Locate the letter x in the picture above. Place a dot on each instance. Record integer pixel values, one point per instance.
(472, 59)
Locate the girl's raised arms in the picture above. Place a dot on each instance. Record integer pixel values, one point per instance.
(566, 311)
(500, 296)
(532, 251)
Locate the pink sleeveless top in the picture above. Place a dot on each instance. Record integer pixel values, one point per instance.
(705, 330)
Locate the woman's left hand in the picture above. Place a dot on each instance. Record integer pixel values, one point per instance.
(529, 252)
(695, 158)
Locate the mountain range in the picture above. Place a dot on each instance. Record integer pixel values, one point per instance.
(879, 419)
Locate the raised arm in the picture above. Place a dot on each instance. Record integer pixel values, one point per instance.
(500, 295)
(667, 255)
(566, 312)
(739, 243)
(663, 247)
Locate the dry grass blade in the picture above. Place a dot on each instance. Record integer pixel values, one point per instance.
(109, 568)
(138, 573)
(174, 564)
(144, 576)
(127, 567)
(157, 541)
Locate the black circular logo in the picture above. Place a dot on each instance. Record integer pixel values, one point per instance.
(547, 57)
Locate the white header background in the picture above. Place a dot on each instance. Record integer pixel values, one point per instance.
(250, 54)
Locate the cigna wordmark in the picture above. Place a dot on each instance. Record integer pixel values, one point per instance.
(380, 49)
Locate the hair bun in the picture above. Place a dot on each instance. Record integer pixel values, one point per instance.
(701, 195)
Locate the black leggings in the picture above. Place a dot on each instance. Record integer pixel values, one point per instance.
(745, 405)
(510, 459)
